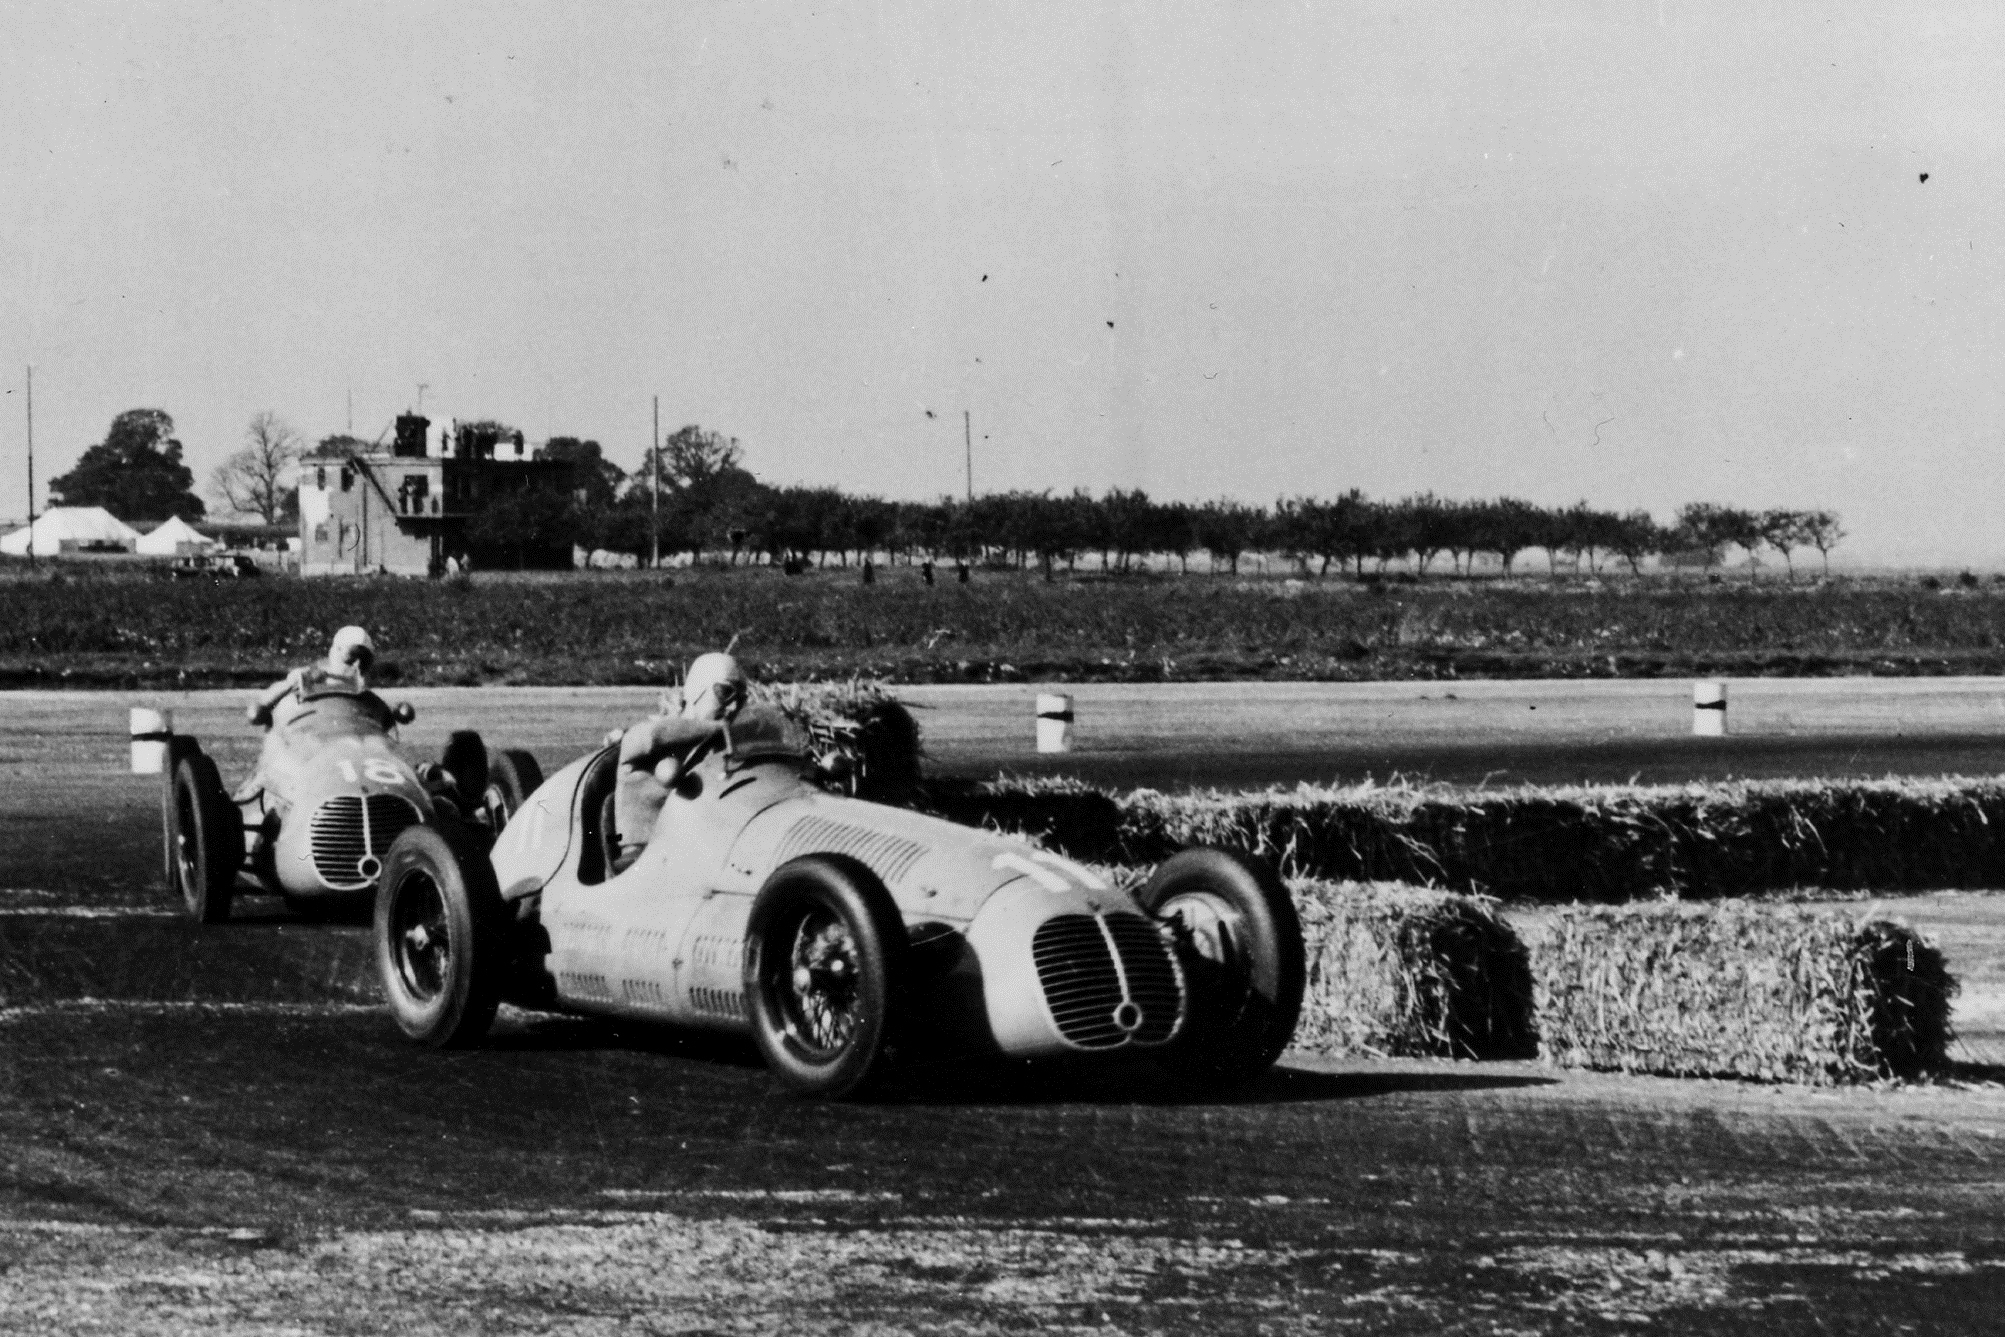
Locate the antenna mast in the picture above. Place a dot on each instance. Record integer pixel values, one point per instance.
(968, 439)
(654, 489)
(31, 467)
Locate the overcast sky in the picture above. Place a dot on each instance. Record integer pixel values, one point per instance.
(1637, 253)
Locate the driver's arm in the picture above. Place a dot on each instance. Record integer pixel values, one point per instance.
(260, 711)
(652, 741)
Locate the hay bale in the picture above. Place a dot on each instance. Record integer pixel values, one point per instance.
(865, 740)
(1078, 819)
(1733, 989)
(1590, 843)
(1407, 972)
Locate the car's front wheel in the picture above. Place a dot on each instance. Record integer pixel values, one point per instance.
(441, 935)
(1240, 943)
(824, 975)
(204, 836)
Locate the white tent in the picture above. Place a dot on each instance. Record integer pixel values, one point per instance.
(62, 528)
(175, 538)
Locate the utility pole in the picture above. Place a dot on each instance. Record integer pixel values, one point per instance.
(968, 438)
(422, 387)
(654, 489)
(31, 467)
(351, 410)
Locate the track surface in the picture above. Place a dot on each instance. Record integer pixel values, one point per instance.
(275, 1162)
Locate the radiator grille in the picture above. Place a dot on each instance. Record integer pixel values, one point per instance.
(1109, 980)
(348, 828)
(888, 856)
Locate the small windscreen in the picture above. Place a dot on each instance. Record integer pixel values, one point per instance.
(766, 733)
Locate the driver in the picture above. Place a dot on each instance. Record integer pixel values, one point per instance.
(347, 665)
(655, 752)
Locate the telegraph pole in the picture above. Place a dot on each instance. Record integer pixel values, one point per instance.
(31, 467)
(968, 438)
(654, 489)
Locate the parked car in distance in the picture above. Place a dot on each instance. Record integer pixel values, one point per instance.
(214, 566)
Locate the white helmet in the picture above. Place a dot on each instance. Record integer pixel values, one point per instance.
(714, 688)
(351, 645)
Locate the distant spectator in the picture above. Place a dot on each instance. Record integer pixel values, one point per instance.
(961, 572)
(926, 572)
(869, 572)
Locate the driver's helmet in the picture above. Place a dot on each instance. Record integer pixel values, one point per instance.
(351, 647)
(714, 689)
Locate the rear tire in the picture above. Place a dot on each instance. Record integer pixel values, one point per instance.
(204, 834)
(512, 776)
(465, 758)
(1239, 941)
(441, 932)
(825, 971)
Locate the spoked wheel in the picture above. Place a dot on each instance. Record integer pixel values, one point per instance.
(441, 931)
(204, 835)
(1240, 943)
(512, 776)
(824, 974)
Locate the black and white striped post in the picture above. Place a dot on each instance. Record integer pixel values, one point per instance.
(150, 731)
(1054, 722)
(1709, 709)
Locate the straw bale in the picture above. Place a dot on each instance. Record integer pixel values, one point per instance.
(1733, 989)
(861, 734)
(1557, 845)
(1407, 972)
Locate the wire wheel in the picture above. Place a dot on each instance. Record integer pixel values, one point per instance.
(819, 999)
(824, 975)
(420, 936)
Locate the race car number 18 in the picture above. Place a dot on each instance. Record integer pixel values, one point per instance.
(376, 770)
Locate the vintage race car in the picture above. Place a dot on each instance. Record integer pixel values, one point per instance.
(840, 934)
(336, 794)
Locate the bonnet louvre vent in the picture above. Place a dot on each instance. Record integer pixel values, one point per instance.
(890, 857)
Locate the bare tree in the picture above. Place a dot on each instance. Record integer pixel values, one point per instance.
(257, 480)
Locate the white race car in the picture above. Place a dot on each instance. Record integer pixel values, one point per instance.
(837, 933)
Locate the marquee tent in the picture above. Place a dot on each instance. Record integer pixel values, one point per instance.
(69, 528)
(174, 539)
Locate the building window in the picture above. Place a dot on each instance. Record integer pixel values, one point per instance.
(347, 480)
(320, 478)
(419, 484)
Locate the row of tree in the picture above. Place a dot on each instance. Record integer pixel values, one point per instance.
(705, 503)
(695, 496)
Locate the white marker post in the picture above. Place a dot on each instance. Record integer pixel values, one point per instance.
(1054, 722)
(150, 731)
(1709, 709)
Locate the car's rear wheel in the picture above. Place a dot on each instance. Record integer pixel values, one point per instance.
(1240, 944)
(204, 834)
(512, 776)
(465, 759)
(824, 975)
(441, 935)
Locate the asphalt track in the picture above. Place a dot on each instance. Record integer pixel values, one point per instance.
(213, 1130)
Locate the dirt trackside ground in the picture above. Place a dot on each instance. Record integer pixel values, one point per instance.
(237, 1170)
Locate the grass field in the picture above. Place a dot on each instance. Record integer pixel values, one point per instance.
(89, 625)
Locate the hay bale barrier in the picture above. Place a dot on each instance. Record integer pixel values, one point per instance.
(1733, 989)
(1604, 844)
(862, 735)
(1404, 972)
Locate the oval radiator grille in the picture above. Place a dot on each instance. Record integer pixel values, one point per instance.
(344, 832)
(1109, 980)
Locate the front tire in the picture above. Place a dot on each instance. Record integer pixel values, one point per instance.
(204, 835)
(1240, 943)
(825, 973)
(441, 935)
